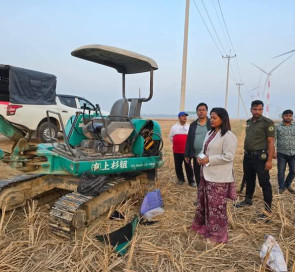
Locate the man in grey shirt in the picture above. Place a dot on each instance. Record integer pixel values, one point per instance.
(196, 136)
(285, 140)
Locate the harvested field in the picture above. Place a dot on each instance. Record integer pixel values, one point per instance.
(168, 245)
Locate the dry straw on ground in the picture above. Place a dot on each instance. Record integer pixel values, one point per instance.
(169, 245)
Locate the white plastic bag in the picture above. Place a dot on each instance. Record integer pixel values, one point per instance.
(275, 260)
(152, 213)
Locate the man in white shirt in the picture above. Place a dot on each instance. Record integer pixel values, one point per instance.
(178, 136)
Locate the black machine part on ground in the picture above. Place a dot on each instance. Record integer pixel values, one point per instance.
(91, 185)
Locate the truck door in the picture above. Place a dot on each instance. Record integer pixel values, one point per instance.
(67, 107)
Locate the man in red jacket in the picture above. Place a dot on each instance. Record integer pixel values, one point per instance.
(178, 136)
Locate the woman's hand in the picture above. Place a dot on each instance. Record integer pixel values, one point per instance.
(203, 161)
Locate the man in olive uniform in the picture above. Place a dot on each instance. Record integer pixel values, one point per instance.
(259, 151)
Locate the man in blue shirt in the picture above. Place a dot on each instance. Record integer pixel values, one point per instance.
(285, 140)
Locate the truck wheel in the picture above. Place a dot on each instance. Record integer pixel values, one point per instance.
(44, 132)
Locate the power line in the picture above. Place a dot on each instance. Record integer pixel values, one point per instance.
(219, 50)
(227, 41)
(229, 38)
(213, 27)
(207, 28)
(227, 77)
(226, 27)
(221, 25)
(215, 43)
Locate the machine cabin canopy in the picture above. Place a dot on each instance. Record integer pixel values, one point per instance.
(125, 62)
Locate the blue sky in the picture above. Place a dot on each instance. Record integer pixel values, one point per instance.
(40, 35)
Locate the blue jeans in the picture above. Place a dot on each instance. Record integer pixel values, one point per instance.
(283, 160)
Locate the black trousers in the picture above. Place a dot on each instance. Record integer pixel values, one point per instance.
(254, 166)
(178, 161)
(197, 170)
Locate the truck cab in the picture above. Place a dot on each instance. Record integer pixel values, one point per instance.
(26, 96)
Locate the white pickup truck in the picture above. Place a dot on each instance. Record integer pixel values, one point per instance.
(22, 104)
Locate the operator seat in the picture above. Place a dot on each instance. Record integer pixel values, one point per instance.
(118, 127)
(119, 111)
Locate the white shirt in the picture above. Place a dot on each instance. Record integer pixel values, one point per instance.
(178, 129)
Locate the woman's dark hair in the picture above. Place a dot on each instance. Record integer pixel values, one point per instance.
(223, 115)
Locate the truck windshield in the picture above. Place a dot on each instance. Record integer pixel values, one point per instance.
(83, 102)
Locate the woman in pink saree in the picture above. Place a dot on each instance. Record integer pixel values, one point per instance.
(217, 179)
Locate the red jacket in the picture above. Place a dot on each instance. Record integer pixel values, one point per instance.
(179, 141)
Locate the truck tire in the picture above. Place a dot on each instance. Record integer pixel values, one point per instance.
(44, 132)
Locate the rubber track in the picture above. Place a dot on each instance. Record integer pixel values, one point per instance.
(13, 181)
(64, 209)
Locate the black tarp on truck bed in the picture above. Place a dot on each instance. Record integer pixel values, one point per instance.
(25, 86)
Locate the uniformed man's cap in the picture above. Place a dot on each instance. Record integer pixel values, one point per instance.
(182, 113)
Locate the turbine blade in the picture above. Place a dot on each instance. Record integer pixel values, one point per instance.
(284, 53)
(280, 64)
(259, 68)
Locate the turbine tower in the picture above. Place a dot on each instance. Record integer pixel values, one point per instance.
(267, 81)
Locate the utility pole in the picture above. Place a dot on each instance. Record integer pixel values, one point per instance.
(239, 95)
(227, 77)
(184, 58)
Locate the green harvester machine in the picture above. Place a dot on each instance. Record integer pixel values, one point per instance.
(122, 146)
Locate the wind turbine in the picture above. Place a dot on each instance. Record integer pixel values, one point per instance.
(267, 81)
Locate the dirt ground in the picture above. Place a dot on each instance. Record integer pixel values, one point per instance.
(169, 245)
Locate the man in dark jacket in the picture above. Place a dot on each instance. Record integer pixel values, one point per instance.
(196, 136)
